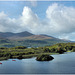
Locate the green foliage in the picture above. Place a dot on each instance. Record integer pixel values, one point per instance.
(3, 48)
(46, 49)
(29, 43)
(20, 57)
(62, 47)
(44, 57)
(22, 51)
(20, 47)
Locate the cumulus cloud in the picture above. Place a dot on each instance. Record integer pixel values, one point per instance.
(27, 22)
(6, 23)
(59, 21)
(29, 19)
(62, 19)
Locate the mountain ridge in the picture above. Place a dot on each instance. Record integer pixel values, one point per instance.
(9, 39)
(10, 34)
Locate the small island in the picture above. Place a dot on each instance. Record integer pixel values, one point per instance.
(44, 57)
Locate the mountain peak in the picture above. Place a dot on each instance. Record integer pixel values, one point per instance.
(24, 34)
(10, 34)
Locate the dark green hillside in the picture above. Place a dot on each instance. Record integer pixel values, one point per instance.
(6, 34)
(27, 39)
(29, 43)
(23, 34)
(10, 34)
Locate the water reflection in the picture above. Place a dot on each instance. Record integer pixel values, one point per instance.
(61, 64)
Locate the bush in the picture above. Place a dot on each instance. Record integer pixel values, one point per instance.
(46, 50)
(20, 47)
(44, 57)
(3, 48)
(20, 57)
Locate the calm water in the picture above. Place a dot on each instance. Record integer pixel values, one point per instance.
(62, 64)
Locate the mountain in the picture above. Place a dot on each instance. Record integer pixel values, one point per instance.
(10, 34)
(28, 39)
(6, 34)
(32, 37)
(47, 35)
(23, 34)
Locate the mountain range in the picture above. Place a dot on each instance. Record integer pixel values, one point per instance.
(9, 39)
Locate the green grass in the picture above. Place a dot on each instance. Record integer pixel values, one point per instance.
(69, 51)
(35, 55)
(3, 58)
(15, 52)
(30, 55)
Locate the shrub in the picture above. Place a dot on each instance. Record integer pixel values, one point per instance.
(20, 47)
(44, 57)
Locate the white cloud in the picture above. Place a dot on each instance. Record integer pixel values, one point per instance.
(68, 36)
(60, 22)
(62, 18)
(27, 22)
(6, 23)
(29, 19)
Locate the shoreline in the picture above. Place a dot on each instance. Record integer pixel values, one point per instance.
(22, 52)
(30, 56)
(26, 56)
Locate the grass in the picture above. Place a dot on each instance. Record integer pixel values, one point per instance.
(3, 58)
(21, 52)
(30, 55)
(35, 55)
(69, 51)
(27, 56)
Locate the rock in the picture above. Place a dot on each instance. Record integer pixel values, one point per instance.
(44, 57)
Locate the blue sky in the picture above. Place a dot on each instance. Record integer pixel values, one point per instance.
(54, 18)
(15, 8)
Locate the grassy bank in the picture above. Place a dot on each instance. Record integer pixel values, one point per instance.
(3, 58)
(21, 52)
(26, 56)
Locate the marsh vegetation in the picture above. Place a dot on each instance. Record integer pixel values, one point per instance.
(22, 52)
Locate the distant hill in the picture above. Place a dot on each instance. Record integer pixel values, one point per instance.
(10, 34)
(28, 39)
(24, 36)
(32, 37)
(6, 34)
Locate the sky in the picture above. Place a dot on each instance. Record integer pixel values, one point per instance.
(54, 18)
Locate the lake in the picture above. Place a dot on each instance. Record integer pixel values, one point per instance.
(61, 64)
